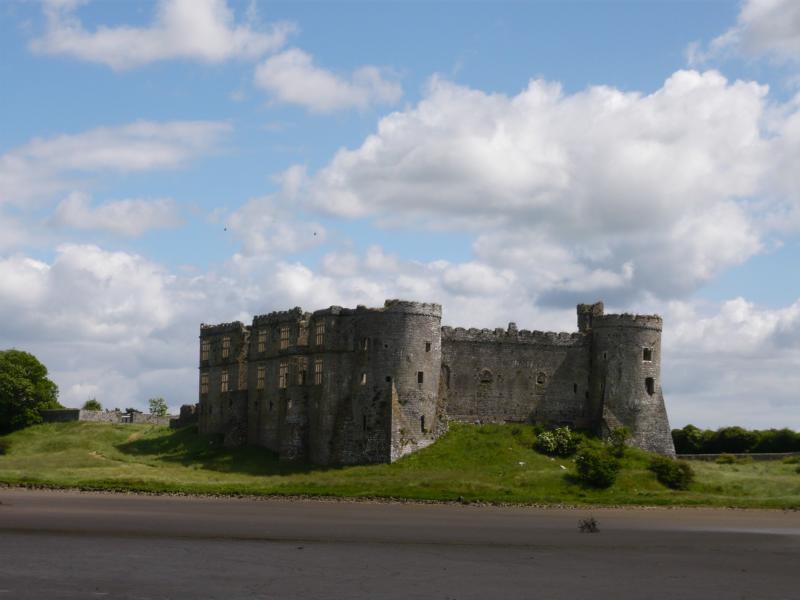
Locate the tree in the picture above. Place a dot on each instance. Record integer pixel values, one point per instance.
(92, 404)
(158, 406)
(24, 390)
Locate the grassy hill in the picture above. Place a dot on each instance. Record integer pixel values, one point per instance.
(489, 463)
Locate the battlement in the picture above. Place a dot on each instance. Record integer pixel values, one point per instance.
(654, 322)
(280, 316)
(235, 326)
(389, 306)
(510, 336)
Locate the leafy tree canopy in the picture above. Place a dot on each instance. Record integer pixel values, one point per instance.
(92, 404)
(24, 390)
(158, 406)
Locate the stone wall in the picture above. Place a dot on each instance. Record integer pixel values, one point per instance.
(516, 376)
(103, 416)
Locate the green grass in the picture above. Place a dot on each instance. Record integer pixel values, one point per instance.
(489, 463)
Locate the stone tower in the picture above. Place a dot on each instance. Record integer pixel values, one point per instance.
(626, 379)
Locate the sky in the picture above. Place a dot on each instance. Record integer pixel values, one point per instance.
(176, 162)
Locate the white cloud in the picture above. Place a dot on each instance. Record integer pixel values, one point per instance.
(45, 167)
(764, 28)
(129, 217)
(292, 77)
(203, 30)
(266, 226)
(601, 191)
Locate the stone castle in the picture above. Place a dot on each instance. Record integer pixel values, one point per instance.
(370, 385)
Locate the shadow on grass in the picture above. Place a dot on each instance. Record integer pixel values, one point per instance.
(187, 447)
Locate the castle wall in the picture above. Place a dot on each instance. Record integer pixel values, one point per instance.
(224, 412)
(516, 376)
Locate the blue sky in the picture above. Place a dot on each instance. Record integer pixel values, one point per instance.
(170, 162)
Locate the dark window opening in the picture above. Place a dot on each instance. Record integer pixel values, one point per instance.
(647, 354)
(574, 388)
(486, 376)
(650, 385)
(420, 376)
(605, 355)
(364, 422)
(587, 394)
(541, 378)
(427, 346)
(230, 402)
(386, 345)
(388, 379)
(422, 423)
(270, 404)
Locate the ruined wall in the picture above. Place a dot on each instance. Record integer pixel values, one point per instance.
(221, 411)
(63, 415)
(510, 375)
(626, 377)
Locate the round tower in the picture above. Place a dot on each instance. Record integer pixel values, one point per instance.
(626, 374)
(404, 359)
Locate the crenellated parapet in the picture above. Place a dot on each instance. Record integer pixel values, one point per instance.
(654, 322)
(281, 316)
(510, 336)
(220, 328)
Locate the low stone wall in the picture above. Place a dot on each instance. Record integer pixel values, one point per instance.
(187, 417)
(64, 415)
(754, 455)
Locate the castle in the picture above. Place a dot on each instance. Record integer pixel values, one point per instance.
(370, 385)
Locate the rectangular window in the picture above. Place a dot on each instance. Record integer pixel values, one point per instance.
(302, 366)
(319, 339)
(647, 354)
(223, 381)
(427, 346)
(283, 375)
(205, 349)
(650, 386)
(363, 379)
(261, 376)
(364, 344)
(226, 347)
(318, 372)
(284, 337)
(420, 376)
(203, 383)
(262, 340)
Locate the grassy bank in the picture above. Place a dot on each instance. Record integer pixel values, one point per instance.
(491, 463)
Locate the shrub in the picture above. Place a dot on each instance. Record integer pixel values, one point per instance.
(5, 446)
(559, 442)
(616, 441)
(596, 467)
(797, 470)
(726, 459)
(675, 474)
(92, 404)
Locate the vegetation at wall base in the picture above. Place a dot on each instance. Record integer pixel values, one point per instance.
(488, 463)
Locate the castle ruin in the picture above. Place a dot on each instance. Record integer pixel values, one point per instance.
(370, 385)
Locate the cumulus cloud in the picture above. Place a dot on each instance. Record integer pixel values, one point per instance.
(130, 217)
(45, 167)
(203, 30)
(292, 77)
(764, 28)
(266, 226)
(601, 191)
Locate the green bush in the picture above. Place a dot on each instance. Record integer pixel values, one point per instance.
(675, 474)
(616, 441)
(5, 446)
(596, 467)
(92, 404)
(726, 459)
(558, 442)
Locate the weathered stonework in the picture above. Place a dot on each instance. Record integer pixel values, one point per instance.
(369, 385)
